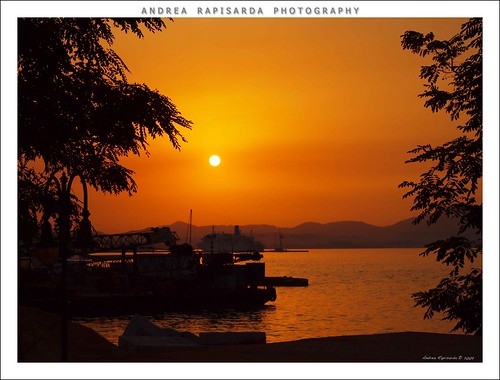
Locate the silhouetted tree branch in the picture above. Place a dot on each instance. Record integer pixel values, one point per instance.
(448, 188)
(78, 113)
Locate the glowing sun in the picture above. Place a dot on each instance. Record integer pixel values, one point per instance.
(214, 160)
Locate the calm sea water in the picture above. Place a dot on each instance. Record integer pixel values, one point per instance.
(350, 292)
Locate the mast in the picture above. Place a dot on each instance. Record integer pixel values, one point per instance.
(280, 236)
(190, 225)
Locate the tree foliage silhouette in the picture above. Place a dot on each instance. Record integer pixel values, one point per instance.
(78, 113)
(449, 187)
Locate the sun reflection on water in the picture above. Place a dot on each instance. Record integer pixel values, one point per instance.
(351, 291)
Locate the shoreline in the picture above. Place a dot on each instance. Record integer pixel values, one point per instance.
(39, 337)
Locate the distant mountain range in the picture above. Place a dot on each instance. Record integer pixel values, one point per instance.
(345, 234)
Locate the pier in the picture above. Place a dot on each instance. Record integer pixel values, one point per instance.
(285, 281)
(135, 239)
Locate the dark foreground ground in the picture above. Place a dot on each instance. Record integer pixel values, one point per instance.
(39, 335)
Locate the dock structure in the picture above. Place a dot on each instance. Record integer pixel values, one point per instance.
(135, 239)
(285, 281)
(116, 241)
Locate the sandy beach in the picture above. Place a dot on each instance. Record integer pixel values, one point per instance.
(40, 336)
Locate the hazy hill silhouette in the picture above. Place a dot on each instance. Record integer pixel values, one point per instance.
(343, 234)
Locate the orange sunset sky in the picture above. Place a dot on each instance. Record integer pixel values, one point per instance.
(312, 119)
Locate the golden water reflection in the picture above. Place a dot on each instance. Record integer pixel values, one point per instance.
(351, 291)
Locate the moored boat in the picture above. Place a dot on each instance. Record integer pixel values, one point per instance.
(230, 243)
(281, 248)
(121, 283)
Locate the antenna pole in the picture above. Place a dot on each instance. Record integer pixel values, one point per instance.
(190, 225)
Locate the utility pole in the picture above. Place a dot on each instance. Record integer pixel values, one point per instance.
(64, 237)
(64, 222)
